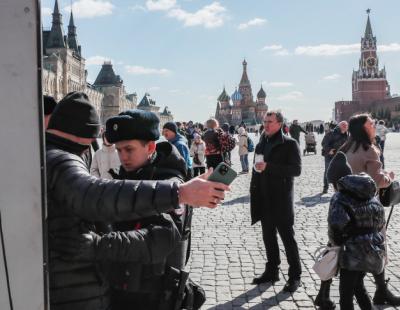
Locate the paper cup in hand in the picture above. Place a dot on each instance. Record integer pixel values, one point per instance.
(259, 158)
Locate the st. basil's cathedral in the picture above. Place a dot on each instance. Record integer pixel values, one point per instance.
(240, 108)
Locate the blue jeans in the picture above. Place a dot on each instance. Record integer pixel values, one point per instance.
(244, 160)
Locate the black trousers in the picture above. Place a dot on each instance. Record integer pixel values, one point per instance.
(270, 228)
(352, 284)
(123, 300)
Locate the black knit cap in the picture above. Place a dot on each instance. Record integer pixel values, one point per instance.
(133, 125)
(49, 104)
(75, 115)
(171, 126)
(338, 168)
(225, 127)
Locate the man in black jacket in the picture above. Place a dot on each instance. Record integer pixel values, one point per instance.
(134, 133)
(271, 192)
(331, 143)
(77, 200)
(295, 130)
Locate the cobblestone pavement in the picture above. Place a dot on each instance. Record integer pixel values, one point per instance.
(227, 252)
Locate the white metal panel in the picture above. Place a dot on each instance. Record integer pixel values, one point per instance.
(21, 159)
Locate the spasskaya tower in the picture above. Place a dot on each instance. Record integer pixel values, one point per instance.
(369, 81)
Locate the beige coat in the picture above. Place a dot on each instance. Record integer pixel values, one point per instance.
(200, 149)
(243, 144)
(368, 162)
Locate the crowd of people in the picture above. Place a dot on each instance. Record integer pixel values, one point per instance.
(119, 215)
(119, 219)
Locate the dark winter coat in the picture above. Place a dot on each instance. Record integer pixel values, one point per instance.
(333, 141)
(271, 191)
(75, 200)
(355, 220)
(211, 138)
(295, 130)
(144, 277)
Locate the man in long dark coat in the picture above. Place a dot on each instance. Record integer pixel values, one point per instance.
(271, 192)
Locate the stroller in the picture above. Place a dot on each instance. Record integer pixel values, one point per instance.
(311, 144)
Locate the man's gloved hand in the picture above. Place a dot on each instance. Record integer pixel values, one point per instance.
(75, 247)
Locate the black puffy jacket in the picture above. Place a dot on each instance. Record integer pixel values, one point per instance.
(355, 220)
(75, 200)
(144, 276)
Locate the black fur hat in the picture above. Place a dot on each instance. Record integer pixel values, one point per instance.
(133, 125)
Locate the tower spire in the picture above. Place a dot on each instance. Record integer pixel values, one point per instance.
(72, 37)
(56, 9)
(368, 28)
(71, 24)
(56, 37)
(245, 79)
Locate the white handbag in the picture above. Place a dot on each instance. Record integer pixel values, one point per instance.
(326, 262)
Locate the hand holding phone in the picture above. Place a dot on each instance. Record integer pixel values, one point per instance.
(223, 174)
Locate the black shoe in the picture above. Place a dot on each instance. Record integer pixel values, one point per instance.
(385, 297)
(324, 303)
(291, 286)
(323, 300)
(267, 276)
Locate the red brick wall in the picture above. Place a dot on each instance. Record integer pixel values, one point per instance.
(369, 91)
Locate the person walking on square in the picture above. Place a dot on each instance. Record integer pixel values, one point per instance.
(331, 143)
(214, 154)
(197, 151)
(243, 150)
(271, 199)
(381, 132)
(295, 129)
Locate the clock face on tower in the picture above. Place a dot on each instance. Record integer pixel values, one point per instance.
(371, 61)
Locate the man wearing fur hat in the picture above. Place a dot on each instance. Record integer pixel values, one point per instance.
(77, 201)
(134, 133)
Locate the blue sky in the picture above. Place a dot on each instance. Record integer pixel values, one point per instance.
(184, 51)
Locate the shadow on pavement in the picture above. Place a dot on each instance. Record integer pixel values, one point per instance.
(242, 199)
(312, 201)
(241, 301)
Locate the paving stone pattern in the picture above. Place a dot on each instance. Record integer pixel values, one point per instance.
(227, 252)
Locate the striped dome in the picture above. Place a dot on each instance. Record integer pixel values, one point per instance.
(236, 96)
(224, 96)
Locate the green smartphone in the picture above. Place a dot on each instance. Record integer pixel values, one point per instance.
(223, 174)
